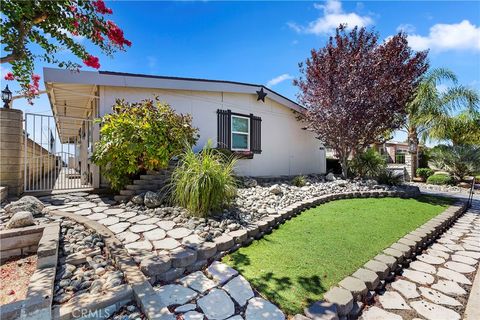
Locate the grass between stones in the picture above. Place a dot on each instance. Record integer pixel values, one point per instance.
(296, 264)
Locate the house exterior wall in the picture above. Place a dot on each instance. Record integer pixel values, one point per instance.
(286, 148)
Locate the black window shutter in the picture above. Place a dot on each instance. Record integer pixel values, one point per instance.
(224, 129)
(255, 134)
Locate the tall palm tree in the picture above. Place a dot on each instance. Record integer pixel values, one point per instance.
(431, 106)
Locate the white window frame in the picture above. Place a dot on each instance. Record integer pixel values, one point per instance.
(242, 133)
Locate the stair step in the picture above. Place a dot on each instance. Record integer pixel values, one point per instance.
(120, 198)
(127, 192)
(144, 182)
(141, 187)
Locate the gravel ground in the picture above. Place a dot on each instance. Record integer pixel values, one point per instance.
(14, 278)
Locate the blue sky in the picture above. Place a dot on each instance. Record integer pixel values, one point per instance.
(263, 42)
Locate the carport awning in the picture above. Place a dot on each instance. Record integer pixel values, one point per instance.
(71, 105)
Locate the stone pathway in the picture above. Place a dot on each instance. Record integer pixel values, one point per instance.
(217, 293)
(436, 285)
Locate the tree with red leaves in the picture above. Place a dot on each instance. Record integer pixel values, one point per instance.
(54, 26)
(355, 89)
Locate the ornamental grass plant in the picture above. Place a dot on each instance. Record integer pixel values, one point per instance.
(204, 182)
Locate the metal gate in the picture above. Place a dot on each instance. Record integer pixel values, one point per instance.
(57, 153)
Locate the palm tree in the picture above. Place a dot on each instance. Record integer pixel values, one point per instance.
(463, 129)
(431, 106)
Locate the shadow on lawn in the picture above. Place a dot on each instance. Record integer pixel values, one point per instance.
(273, 288)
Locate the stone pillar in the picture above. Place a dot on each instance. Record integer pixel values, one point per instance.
(408, 166)
(11, 150)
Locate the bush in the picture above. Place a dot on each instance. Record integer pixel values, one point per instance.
(424, 173)
(440, 179)
(138, 137)
(368, 164)
(203, 182)
(389, 178)
(299, 181)
(458, 160)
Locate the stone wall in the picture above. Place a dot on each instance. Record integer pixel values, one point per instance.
(11, 156)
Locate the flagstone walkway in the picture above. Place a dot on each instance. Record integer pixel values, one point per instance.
(437, 284)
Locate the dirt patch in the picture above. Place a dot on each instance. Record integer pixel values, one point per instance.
(14, 278)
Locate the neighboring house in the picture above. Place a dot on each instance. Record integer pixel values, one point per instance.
(246, 118)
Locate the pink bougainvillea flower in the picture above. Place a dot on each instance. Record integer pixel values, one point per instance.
(9, 76)
(100, 7)
(115, 34)
(92, 61)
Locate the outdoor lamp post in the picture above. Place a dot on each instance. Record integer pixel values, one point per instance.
(6, 97)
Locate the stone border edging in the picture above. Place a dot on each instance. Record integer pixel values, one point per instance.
(138, 288)
(38, 301)
(347, 298)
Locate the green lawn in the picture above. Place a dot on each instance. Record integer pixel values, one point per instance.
(294, 265)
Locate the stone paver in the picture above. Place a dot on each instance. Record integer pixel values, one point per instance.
(119, 227)
(375, 313)
(433, 311)
(422, 266)
(193, 315)
(179, 233)
(127, 237)
(97, 216)
(220, 272)
(155, 234)
(430, 259)
(216, 305)
(453, 275)
(406, 288)
(239, 289)
(166, 244)
(166, 225)
(418, 276)
(393, 300)
(464, 259)
(261, 309)
(138, 228)
(171, 294)
(449, 287)
(197, 281)
(459, 267)
(438, 297)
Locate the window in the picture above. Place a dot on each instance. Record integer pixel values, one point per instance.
(240, 133)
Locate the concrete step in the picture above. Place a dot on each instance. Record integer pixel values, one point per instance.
(145, 182)
(128, 192)
(141, 187)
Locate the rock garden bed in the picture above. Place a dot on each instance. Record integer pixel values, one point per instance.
(15, 276)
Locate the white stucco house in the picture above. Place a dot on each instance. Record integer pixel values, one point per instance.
(232, 114)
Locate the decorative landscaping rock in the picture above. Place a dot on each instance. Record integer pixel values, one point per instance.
(322, 310)
(138, 199)
(26, 203)
(193, 315)
(239, 289)
(217, 305)
(20, 219)
(380, 268)
(369, 277)
(153, 200)
(261, 309)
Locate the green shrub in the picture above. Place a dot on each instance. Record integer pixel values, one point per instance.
(440, 179)
(140, 136)
(458, 160)
(477, 178)
(424, 173)
(203, 182)
(389, 178)
(368, 164)
(299, 181)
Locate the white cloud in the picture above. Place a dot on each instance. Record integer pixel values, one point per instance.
(333, 16)
(407, 28)
(443, 37)
(277, 80)
(77, 38)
